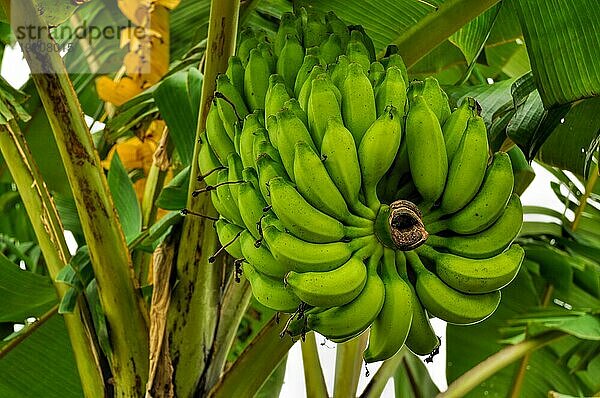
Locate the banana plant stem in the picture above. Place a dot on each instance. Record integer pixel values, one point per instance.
(122, 303)
(234, 304)
(475, 376)
(313, 372)
(255, 364)
(154, 183)
(380, 379)
(589, 188)
(50, 235)
(195, 303)
(348, 365)
(429, 32)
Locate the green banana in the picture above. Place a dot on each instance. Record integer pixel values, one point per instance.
(487, 205)
(490, 241)
(448, 304)
(434, 96)
(266, 50)
(217, 204)
(262, 145)
(304, 94)
(396, 61)
(208, 162)
(376, 74)
(237, 136)
(309, 62)
(421, 338)
(341, 161)
(235, 72)
(392, 325)
(391, 91)
(467, 167)
(273, 130)
(358, 101)
(234, 168)
(426, 150)
(294, 106)
(230, 104)
(329, 288)
(330, 49)
(476, 276)
(226, 199)
(252, 207)
(290, 60)
(377, 152)
(270, 292)
(287, 26)
(366, 40)
(399, 173)
(456, 124)
(522, 170)
(349, 320)
(250, 176)
(295, 131)
(340, 70)
(271, 220)
(217, 137)
(322, 105)
(256, 80)
(337, 26)
(302, 256)
(260, 257)
(252, 127)
(357, 52)
(247, 41)
(300, 218)
(276, 96)
(315, 184)
(267, 170)
(314, 31)
(229, 237)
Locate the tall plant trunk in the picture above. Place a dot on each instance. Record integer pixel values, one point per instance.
(122, 304)
(195, 304)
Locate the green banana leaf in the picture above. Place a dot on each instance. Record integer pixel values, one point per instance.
(42, 365)
(177, 98)
(544, 373)
(126, 202)
(24, 294)
(562, 42)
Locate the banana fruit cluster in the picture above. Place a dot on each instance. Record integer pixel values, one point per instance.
(354, 198)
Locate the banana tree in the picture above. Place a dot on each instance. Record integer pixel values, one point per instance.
(113, 141)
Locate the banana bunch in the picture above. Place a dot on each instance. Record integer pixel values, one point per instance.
(353, 198)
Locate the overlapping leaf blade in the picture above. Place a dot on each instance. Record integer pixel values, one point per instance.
(562, 41)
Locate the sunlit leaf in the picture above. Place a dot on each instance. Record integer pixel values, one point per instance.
(471, 37)
(562, 42)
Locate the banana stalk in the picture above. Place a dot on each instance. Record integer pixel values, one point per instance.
(313, 373)
(422, 37)
(49, 233)
(387, 370)
(348, 363)
(193, 318)
(253, 367)
(108, 250)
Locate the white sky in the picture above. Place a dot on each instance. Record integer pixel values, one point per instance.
(16, 72)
